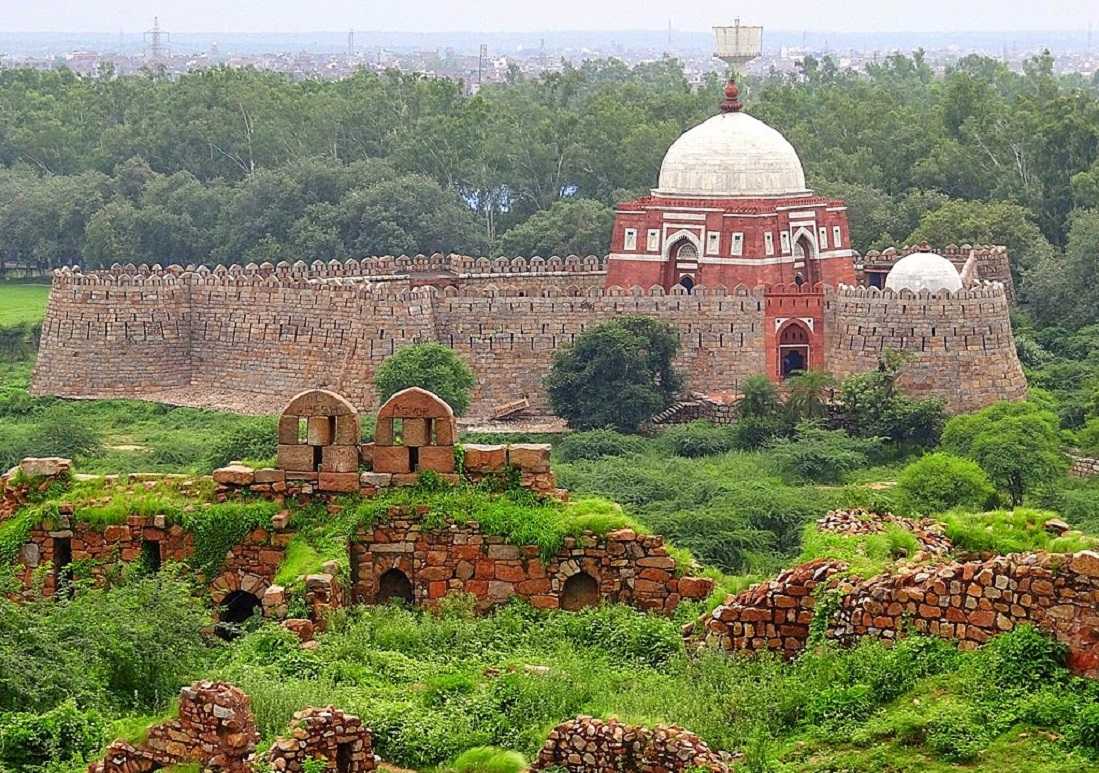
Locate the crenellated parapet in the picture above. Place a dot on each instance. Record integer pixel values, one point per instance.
(991, 262)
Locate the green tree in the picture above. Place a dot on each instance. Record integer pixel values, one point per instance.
(1016, 444)
(808, 395)
(616, 374)
(1055, 288)
(568, 227)
(430, 366)
(938, 482)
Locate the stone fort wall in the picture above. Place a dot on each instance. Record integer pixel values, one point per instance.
(250, 337)
(961, 344)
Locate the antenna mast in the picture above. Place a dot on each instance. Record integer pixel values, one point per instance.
(157, 41)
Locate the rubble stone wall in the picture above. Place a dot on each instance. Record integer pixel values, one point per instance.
(1083, 467)
(625, 567)
(215, 728)
(966, 602)
(587, 745)
(328, 734)
(961, 343)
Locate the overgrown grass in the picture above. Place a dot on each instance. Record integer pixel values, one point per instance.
(865, 554)
(1011, 531)
(22, 303)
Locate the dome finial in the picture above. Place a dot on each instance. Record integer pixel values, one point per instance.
(731, 103)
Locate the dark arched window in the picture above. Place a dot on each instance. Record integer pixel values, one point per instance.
(580, 591)
(394, 584)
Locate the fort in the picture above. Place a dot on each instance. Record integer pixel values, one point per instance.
(754, 272)
(249, 337)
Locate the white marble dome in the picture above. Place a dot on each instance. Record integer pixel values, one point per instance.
(731, 154)
(923, 270)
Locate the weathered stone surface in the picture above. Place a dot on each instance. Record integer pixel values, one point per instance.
(343, 482)
(587, 745)
(45, 466)
(339, 459)
(392, 459)
(485, 458)
(437, 458)
(235, 474)
(530, 457)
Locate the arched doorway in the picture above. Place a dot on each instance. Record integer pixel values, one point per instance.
(581, 590)
(804, 262)
(687, 282)
(793, 349)
(394, 584)
(683, 254)
(236, 609)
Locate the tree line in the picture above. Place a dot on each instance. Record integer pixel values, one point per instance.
(240, 165)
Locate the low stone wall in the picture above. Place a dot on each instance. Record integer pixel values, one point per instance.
(929, 533)
(587, 745)
(1083, 467)
(774, 615)
(622, 566)
(325, 734)
(215, 728)
(966, 602)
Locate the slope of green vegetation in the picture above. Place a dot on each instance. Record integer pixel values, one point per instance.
(22, 303)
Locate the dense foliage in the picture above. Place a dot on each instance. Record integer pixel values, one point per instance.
(430, 366)
(615, 374)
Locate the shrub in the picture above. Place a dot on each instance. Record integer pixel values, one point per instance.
(1023, 659)
(1017, 445)
(869, 406)
(487, 759)
(754, 432)
(938, 482)
(1087, 438)
(760, 398)
(430, 366)
(64, 733)
(821, 455)
(698, 438)
(866, 554)
(616, 374)
(598, 444)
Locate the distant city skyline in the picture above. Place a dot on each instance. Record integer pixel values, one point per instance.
(501, 16)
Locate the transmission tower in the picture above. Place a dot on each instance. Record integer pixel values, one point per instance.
(351, 44)
(157, 41)
(482, 63)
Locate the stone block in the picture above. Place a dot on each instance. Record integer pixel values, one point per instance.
(1086, 562)
(320, 430)
(383, 432)
(446, 431)
(437, 458)
(301, 475)
(340, 459)
(288, 429)
(344, 482)
(530, 457)
(405, 479)
(485, 458)
(376, 479)
(44, 466)
(393, 459)
(269, 475)
(415, 402)
(348, 432)
(295, 457)
(366, 453)
(415, 432)
(235, 474)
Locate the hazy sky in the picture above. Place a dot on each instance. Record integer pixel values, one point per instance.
(529, 15)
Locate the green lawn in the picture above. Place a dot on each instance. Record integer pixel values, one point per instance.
(21, 303)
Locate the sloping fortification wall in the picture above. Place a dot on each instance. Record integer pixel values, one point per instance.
(251, 337)
(962, 342)
(119, 335)
(510, 341)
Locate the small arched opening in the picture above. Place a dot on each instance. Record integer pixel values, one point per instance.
(793, 349)
(394, 584)
(804, 260)
(687, 282)
(581, 590)
(236, 609)
(685, 251)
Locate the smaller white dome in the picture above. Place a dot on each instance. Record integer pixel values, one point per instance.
(923, 271)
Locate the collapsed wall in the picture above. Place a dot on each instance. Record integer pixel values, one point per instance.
(959, 344)
(966, 602)
(589, 745)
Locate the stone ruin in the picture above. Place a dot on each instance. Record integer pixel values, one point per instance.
(929, 533)
(416, 431)
(215, 728)
(328, 734)
(320, 450)
(968, 602)
(588, 745)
